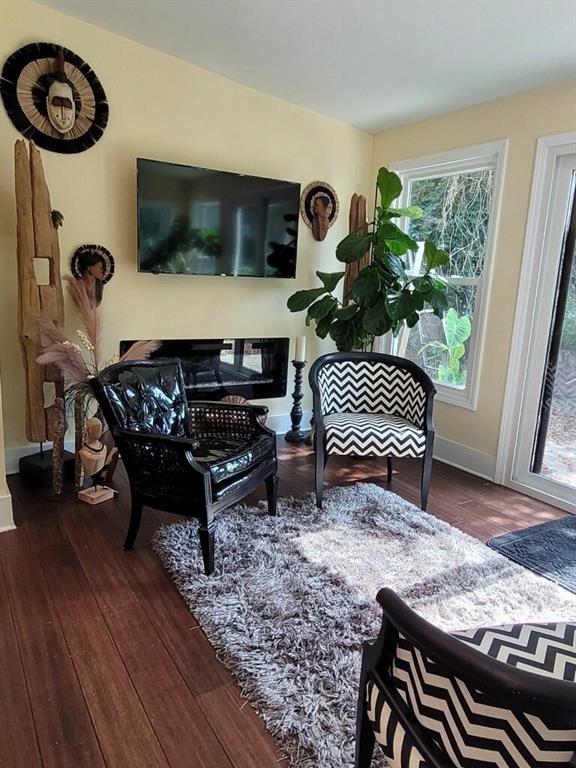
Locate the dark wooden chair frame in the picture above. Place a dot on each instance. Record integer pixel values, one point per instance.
(319, 431)
(512, 686)
(203, 506)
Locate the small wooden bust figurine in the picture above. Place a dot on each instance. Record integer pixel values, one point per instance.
(93, 456)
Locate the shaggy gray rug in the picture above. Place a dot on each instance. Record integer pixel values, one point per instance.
(292, 599)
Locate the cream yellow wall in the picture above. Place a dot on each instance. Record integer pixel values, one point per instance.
(166, 109)
(521, 119)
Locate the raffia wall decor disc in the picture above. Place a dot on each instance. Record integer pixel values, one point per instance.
(311, 192)
(24, 83)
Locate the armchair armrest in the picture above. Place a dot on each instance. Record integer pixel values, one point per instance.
(181, 448)
(208, 417)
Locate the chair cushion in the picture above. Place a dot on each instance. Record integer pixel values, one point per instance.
(227, 457)
(372, 434)
(473, 728)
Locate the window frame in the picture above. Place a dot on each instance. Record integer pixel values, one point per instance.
(494, 155)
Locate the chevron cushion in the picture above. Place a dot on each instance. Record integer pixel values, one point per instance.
(471, 727)
(372, 434)
(370, 386)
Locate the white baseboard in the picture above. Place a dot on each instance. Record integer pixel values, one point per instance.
(447, 451)
(281, 422)
(6, 518)
(467, 459)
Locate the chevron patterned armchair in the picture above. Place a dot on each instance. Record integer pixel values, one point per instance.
(370, 404)
(495, 696)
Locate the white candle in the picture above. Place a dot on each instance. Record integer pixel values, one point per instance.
(300, 353)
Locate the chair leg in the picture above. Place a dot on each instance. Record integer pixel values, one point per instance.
(320, 464)
(389, 466)
(365, 741)
(426, 474)
(135, 517)
(206, 534)
(272, 493)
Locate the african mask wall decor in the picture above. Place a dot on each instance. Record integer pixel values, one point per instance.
(319, 207)
(54, 98)
(60, 103)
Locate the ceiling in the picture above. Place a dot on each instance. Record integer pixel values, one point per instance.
(371, 63)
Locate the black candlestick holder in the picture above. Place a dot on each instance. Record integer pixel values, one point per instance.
(295, 435)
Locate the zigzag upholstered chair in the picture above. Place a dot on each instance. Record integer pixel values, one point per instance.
(493, 697)
(370, 404)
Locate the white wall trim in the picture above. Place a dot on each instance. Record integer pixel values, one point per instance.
(464, 458)
(493, 154)
(548, 149)
(281, 422)
(6, 516)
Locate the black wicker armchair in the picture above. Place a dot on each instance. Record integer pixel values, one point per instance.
(192, 459)
(480, 698)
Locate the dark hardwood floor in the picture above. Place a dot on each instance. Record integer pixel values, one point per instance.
(101, 663)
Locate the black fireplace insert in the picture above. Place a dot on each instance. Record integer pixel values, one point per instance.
(213, 368)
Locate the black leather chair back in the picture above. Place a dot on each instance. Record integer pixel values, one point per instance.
(144, 396)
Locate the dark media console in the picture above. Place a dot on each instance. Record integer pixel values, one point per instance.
(213, 368)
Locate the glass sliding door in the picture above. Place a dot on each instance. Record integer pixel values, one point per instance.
(554, 454)
(543, 439)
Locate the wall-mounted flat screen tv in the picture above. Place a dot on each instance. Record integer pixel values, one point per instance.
(197, 221)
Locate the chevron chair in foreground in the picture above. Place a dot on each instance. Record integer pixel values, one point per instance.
(496, 696)
(370, 404)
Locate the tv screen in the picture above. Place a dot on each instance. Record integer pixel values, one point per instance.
(197, 221)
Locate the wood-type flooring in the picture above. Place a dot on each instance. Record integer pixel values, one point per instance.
(102, 664)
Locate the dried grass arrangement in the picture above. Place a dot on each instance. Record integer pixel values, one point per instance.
(79, 360)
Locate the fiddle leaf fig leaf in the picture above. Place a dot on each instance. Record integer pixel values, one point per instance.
(403, 304)
(345, 313)
(302, 299)
(389, 186)
(353, 247)
(412, 319)
(395, 265)
(411, 212)
(366, 287)
(396, 241)
(435, 257)
(323, 325)
(376, 319)
(330, 279)
(436, 297)
(321, 308)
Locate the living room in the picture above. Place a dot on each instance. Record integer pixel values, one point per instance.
(102, 660)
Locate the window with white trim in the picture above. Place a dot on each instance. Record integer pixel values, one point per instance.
(459, 193)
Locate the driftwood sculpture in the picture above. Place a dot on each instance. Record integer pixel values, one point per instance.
(37, 239)
(357, 223)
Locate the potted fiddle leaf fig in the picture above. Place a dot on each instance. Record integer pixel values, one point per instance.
(383, 297)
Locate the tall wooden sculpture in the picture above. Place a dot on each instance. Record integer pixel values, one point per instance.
(357, 223)
(37, 239)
